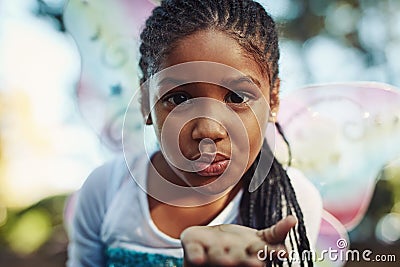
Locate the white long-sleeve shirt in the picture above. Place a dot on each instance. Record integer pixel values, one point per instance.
(112, 218)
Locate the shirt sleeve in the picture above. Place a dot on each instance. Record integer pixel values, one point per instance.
(85, 245)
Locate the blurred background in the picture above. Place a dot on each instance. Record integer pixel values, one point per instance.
(51, 132)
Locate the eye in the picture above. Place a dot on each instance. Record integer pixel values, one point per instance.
(176, 99)
(236, 98)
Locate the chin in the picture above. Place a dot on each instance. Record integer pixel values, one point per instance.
(210, 185)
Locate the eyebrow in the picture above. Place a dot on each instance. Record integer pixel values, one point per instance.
(171, 80)
(240, 79)
(228, 81)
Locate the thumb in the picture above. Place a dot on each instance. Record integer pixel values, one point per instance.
(277, 233)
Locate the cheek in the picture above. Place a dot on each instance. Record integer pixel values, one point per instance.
(185, 139)
(173, 136)
(162, 119)
(255, 120)
(255, 124)
(159, 117)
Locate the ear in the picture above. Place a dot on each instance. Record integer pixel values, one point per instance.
(144, 105)
(149, 120)
(272, 117)
(146, 114)
(274, 101)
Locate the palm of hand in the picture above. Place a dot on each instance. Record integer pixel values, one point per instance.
(232, 245)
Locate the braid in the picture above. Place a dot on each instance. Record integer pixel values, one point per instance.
(249, 24)
(274, 196)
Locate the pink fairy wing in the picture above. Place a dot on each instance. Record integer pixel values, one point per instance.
(332, 237)
(106, 33)
(341, 135)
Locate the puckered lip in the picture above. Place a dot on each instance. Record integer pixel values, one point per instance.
(210, 164)
(210, 157)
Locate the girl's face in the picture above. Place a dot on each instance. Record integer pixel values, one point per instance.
(210, 112)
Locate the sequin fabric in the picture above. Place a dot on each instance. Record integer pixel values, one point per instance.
(119, 257)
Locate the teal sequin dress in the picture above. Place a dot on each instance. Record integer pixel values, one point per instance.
(118, 257)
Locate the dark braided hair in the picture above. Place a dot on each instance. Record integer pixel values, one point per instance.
(250, 25)
(245, 21)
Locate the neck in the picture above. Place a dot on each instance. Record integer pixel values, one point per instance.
(173, 211)
(172, 220)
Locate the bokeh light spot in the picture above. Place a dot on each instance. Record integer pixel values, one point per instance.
(388, 228)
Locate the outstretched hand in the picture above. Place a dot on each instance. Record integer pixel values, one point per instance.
(233, 245)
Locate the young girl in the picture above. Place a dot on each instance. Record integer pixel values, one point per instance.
(213, 194)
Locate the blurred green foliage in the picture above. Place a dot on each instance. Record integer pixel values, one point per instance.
(34, 231)
(369, 27)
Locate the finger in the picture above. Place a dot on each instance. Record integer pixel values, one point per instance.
(237, 254)
(278, 232)
(255, 247)
(194, 253)
(268, 252)
(216, 255)
(277, 252)
(198, 234)
(252, 262)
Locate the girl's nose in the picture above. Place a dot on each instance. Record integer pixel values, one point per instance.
(208, 128)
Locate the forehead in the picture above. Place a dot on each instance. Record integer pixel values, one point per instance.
(217, 47)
